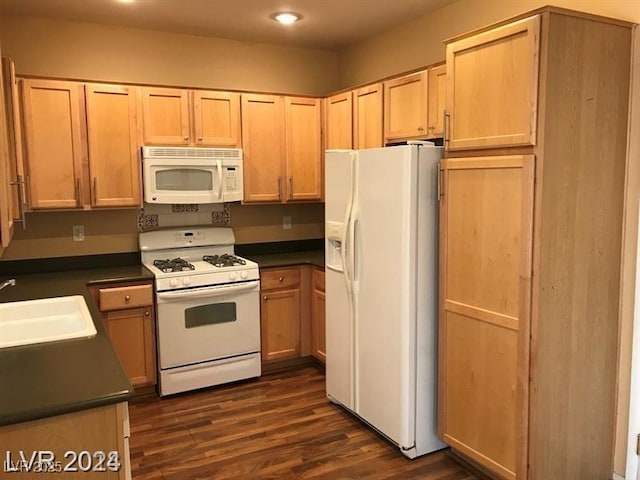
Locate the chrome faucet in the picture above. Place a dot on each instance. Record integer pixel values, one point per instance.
(8, 283)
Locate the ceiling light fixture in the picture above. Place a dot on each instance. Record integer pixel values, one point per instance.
(286, 18)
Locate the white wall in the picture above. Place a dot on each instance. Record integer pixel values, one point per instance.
(109, 53)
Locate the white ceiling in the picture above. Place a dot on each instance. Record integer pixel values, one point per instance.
(327, 24)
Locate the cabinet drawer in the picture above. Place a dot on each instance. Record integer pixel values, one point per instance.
(280, 278)
(125, 297)
(318, 279)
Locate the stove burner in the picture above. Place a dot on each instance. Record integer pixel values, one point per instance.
(175, 265)
(225, 260)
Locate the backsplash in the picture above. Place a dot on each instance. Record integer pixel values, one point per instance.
(154, 216)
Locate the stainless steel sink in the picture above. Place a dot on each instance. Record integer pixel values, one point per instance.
(44, 320)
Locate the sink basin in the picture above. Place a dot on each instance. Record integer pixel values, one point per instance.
(44, 320)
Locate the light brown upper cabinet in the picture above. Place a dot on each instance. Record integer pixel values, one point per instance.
(216, 118)
(436, 101)
(263, 143)
(304, 149)
(55, 142)
(81, 145)
(172, 116)
(367, 117)
(531, 299)
(15, 174)
(405, 107)
(339, 121)
(282, 148)
(6, 175)
(492, 92)
(112, 127)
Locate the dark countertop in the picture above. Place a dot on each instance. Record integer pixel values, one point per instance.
(44, 380)
(311, 257)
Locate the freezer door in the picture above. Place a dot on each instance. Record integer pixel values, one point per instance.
(385, 226)
(339, 307)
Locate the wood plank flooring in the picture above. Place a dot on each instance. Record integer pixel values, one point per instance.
(281, 426)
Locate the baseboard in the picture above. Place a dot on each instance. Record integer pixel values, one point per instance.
(469, 465)
(291, 363)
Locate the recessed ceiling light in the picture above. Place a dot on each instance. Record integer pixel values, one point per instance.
(286, 18)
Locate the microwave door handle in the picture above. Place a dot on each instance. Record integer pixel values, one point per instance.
(219, 165)
(209, 291)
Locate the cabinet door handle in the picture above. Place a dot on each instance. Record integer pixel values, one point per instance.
(21, 206)
(199, 139)
(127, 298)
(279, 188)
(95, 190)
(281, 279)
(78, 194)
(264, 298)
(27, 194)
(290, 188)
(445, 130)
(186, 139)
(146, 314)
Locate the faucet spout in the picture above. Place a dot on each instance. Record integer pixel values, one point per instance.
(8, 283)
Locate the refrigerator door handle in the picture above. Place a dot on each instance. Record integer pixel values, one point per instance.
(346, 243)
(354, 263)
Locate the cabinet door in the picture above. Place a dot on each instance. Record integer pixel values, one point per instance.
(263, 141)
(318, 337)
(485, 257)
(112, 127)
(86, 432)
(436, 100)
(405, 107)
(304, 148)
(216, 118)
(165, 116)
(132, 335)
(367, 117)
(55, 142)
(339, 122)
(14, 139)
(492, 87)
(6, 177)
(280, 324)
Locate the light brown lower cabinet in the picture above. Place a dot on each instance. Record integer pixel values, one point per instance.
(280, 311)
(88, 444)
(292, 314)
(129, 318)
(318, 340)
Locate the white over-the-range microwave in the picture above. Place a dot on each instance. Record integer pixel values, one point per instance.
(192, 175)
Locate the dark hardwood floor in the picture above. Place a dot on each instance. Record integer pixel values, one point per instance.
(281, 426)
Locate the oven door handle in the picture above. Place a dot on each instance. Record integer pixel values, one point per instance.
(209, 291)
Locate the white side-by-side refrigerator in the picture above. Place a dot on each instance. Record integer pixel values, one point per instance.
(381, 213)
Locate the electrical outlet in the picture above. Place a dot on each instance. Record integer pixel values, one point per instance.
(78, 233)
(286, 222)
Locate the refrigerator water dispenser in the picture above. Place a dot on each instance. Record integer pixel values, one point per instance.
(334, 232)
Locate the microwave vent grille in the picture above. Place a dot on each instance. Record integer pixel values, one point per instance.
(187, 152)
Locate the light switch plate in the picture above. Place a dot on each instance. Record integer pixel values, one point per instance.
(78, 233)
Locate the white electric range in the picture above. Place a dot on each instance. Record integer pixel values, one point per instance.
(208, 308)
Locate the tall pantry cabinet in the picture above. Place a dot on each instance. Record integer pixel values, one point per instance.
(531, 234)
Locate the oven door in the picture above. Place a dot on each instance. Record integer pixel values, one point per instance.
(208, 323)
